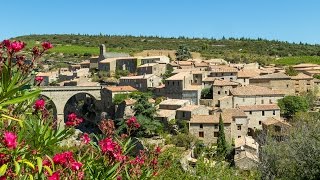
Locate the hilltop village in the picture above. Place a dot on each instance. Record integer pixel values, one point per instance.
(196, 91)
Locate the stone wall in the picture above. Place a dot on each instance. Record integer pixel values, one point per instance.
(254, 100)
(256, 118)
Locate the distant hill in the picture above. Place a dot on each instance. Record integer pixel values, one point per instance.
(79, 47)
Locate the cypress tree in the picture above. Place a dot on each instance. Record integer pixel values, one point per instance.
(222, 144)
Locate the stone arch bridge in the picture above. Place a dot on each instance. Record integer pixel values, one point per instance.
(59, 95)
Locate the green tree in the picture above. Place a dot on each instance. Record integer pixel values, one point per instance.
(290, 105)
(290, 71)
(183, 53)
(298, 156)
(168, 72)
(222, 147)
(206, 93)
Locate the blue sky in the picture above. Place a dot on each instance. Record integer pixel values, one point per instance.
(286, 20)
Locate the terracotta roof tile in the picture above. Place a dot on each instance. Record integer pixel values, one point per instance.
(260, 107)
(219, 82)
(301, 76)
(279, 75)
(120, 88)
(190, 107)
(227, 116)
(272, 120)
(251, 90)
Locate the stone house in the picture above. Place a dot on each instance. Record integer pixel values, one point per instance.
(165, 115)
(157, 69)
(245, 160)
(74, 67)
(203, 66)
(118, 63)
(107, 94)
(221, 88)
(276, 128)
(173, 104)
(245, 74)
(186, 112)
(85, 64)
(223, 72)
(254, 95)
(246, 153)
(155, 59)
(276, 81)
(167, 109)
(181, 86)
(94, 62)
(257, 114)
(141, 82)
(302, 83)
(206, 127)
(175, 84)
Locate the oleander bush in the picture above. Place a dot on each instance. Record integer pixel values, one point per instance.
(33, 145)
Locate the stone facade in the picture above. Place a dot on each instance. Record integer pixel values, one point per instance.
(257, 114)
(155, 59)
(142, 82)
(275, 81)
(206, 127)
(302, 83)
(186, 112)
(152, 68)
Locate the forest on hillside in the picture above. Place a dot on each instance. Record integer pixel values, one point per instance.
(79, 47)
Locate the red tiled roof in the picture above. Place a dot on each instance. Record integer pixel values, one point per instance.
(120, 88)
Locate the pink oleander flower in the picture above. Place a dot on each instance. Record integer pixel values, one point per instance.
(38, 79)
(46, 45)
(63, 158)
(54, 176)
(76, 165)
(85, 138)
(133, 123)
(73, 120)
(16, 46)
(107, 145)
(39, 104)
(3, 178)
(10, 140)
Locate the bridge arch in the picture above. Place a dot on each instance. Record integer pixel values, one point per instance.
(84, 105)
(61, 94)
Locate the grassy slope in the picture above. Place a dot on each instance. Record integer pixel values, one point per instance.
(234, 50)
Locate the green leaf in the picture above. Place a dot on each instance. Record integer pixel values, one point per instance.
(27, 162)
(22, 98)
(30, 177)
(16, 167)
(3, 169)
(39, 163)
(48, 169)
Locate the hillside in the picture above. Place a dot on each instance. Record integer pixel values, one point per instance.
(79, 47)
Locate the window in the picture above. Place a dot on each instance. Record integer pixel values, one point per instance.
(239, 127)
(243, 100)
(270, 101)
(215, 134)
(218, 92)
(239, 136)
(231, 74)
(231, 79)
(201, 126)
(201, 134)
(183, 114)
(259, 122)
(262, 113)
(262, 101)
(250, 112)
(244, 80)
(287, 85)
(168, 83)
(225, 92)
(172, 82)
(274, 112)
(216, 126)
(178, 83)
